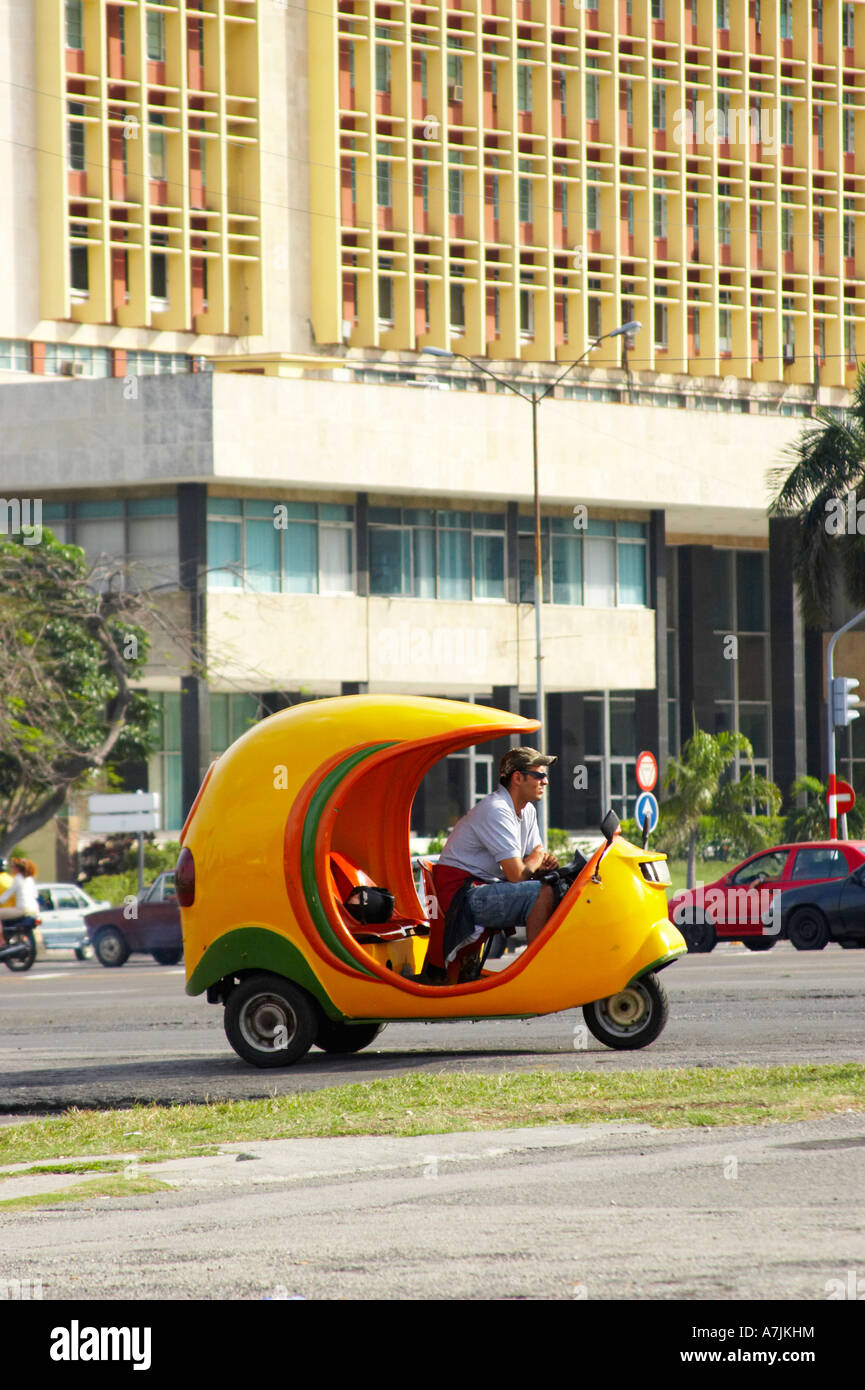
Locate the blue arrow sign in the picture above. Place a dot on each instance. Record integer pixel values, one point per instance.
(647, 805)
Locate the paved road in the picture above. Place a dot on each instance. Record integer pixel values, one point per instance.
(78, 1034)
(560, 1212)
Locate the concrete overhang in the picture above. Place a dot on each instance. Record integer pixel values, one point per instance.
(707, 470)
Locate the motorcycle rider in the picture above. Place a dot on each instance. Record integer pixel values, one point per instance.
(23, 888)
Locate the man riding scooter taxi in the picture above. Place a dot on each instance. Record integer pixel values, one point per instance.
(484, 879)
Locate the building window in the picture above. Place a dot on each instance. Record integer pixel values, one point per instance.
(785, 16)
(629, 104)
(14, 355)
(456, 192)
(455, 77)
(143, 363)
(424, 187)
(525, 194)
(848, 127)
(788, 330)
(818, 19)
(563, 188)
(629, 211)
(818, 126)
(385, 292)
(527, 314)
(155, 38)
(524, 82)
(786, 117)
(75, 140)
(420, 553)
(79, 261)
(593, 317)
(265, 546)
(661, 326)
(740, 592)
(230, 717)
(820, 232)
(165, 767)
(725, 330)
(458, 307)
(89, 361)
(850, 339)
(659, 106)
(849, 236)
(603, 566)
(593, 96)
(495, 193)
(74, 24)
(659, 203)
(786, 229)
(424, 87)
(382, 68)
(593, 208)
(383, 176)
(848, 15)
(722, 14)
(724, 222)
(159, 267)
(156, 146)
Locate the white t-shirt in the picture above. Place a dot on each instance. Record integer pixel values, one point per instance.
(25, 894)
(490, 832)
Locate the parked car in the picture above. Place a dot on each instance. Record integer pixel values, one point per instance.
(808, 893)
(62, 908)
(149, 924)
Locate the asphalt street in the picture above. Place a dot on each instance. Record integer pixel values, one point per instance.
(78, 1034)
(560, 1212)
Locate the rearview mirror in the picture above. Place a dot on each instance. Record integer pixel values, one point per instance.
(609, 825)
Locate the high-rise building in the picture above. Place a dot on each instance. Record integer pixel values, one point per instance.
(302, 197)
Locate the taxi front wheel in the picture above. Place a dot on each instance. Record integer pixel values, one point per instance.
(269, 1021)
(630, 1019)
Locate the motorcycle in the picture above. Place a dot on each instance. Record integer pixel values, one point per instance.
(18, 948)
(314, 802)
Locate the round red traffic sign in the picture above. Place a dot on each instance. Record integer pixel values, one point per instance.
(647, 771)
(845, 798)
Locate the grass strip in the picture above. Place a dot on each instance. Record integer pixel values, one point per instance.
(437, 1104)
(87, 1191)
(94, 1165)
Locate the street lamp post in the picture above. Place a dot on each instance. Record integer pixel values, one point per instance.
(535, 397)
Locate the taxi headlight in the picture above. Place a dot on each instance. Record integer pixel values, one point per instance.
(655, 870)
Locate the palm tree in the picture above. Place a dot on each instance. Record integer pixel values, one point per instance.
(702, 789)
(811, 821)
(828, 462)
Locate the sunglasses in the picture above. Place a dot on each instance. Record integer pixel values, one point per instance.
(538, 776)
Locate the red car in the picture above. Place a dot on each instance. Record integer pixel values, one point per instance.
(809, 893)
(149, 924)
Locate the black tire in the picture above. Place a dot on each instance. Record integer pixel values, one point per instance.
(808, 929)
(269, 1021)
(111, 948)
(759, 943)
(700, 938)
(20, 963)
(630, 1019)
(80, 952)
(346, 1037)
(168, 955)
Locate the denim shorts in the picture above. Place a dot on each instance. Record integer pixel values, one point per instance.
(496, 905)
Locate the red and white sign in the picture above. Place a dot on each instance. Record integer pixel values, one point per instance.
(647, 771)
(845, 799)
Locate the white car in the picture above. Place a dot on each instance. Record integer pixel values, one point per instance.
(62, 907)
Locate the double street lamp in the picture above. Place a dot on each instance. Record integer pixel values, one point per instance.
(534, 396)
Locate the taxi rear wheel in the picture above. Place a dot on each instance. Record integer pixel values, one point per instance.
(269, 1021)
(630, 1019)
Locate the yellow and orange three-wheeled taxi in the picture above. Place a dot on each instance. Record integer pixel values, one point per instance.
(319, 795)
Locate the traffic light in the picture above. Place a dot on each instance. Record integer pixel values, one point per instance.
(843, 702)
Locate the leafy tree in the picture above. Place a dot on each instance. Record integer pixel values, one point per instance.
(811, 821)
(702, 787)
(71, 644)
(828, 462)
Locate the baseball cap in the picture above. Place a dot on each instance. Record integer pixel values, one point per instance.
(521, 759)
